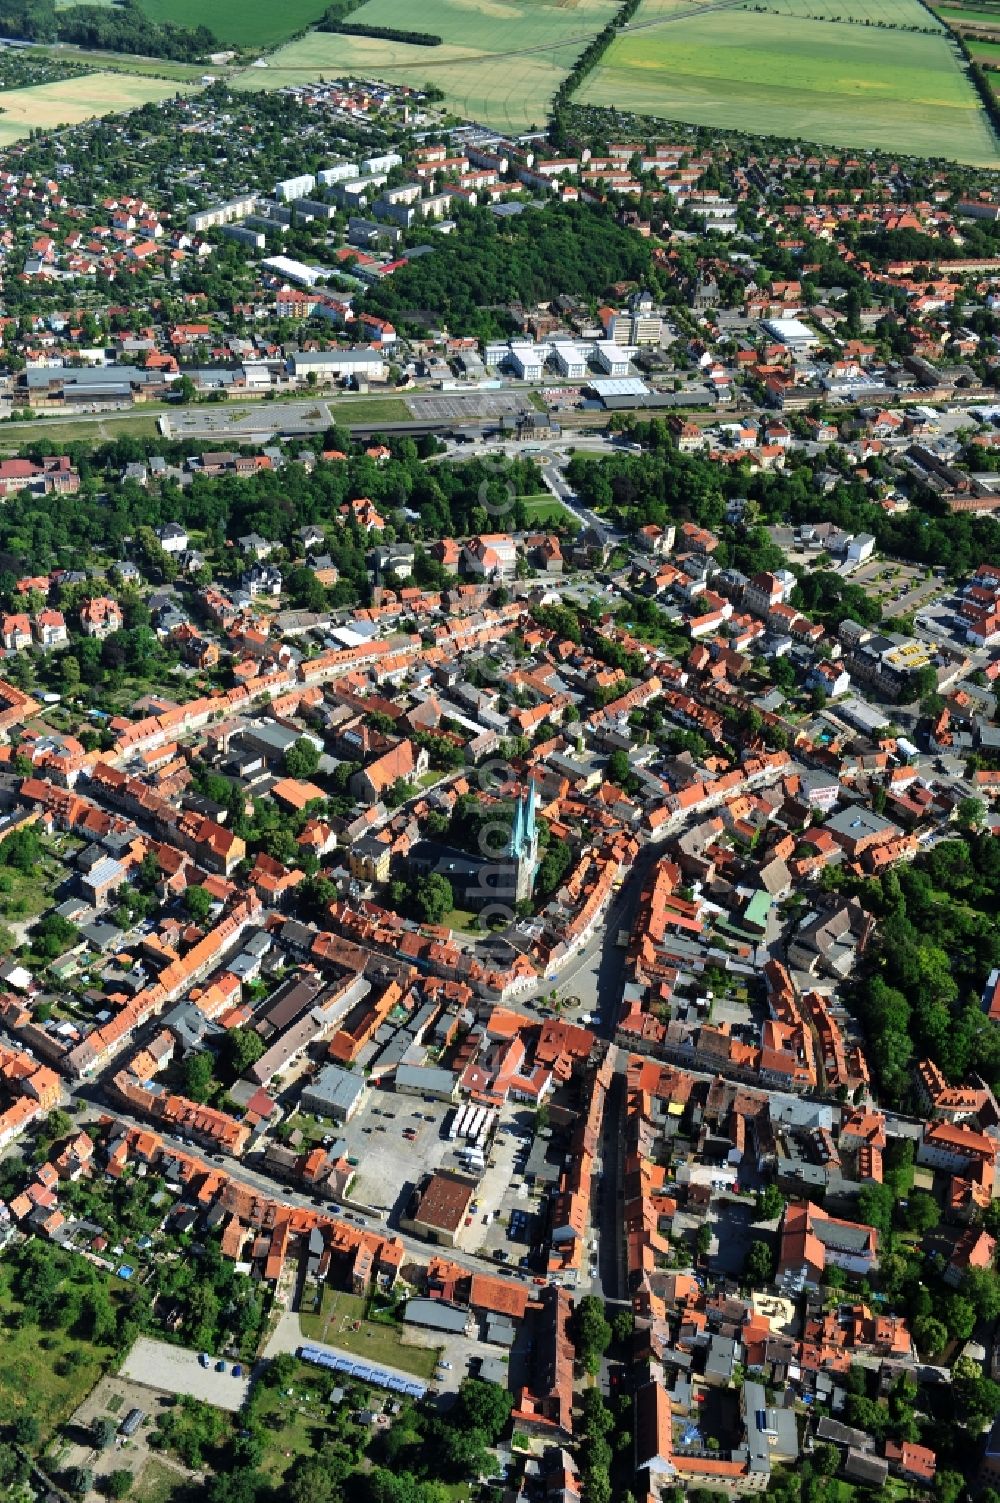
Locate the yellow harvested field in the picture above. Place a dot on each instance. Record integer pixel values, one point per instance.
(74, 99)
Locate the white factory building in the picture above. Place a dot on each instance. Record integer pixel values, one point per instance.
(614, 359)
(527, 359)
(570, 360)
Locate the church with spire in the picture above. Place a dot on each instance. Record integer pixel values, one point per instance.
(523, 848)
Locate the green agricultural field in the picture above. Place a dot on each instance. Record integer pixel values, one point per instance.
(240, 23)
(877, 13)
(985, 18)
(500, 61)
(840, 84)
(986, 14)
(74, 99)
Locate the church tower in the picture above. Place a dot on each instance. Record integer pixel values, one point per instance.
(523, 848)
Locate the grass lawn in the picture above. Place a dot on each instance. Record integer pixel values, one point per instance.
(296, 1425)
(462, 919)
(341, 1323)
(311, 1129)
(545, 508)
(71, 100)
(58, 430)
(301, 1422)
(500, 61)
(157, 1483)
(23, 895)
(370, 410)
(787, 74)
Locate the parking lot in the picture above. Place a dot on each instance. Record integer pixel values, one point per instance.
(238, 423)
(174, 1369)
(389, 1163)
(443, 407)
(397, 1140)
(899, 588)
(510, 1216)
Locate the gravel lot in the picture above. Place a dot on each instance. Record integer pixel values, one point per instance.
(174, 1369)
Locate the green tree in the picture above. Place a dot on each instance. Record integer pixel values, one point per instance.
(759, 1267)
(311, 1482)
(948, 1486)
(592, 1333)
(931, 1335)
(770, 1203)
(959, 1316)
(922, 1212)
(27, 1431)
(981, 1287)
(978, 1397)
(241, 1048)
(623, 1325)
(198, 1076)
(302, 758)
(619, 772)
(118, 1484)
(12, 1467)
(22, 849)
(52, 936)
(970, 813)
(875, 1207)
(433, 897)
(482, 1406)
(103, 1431)
(198, 903)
